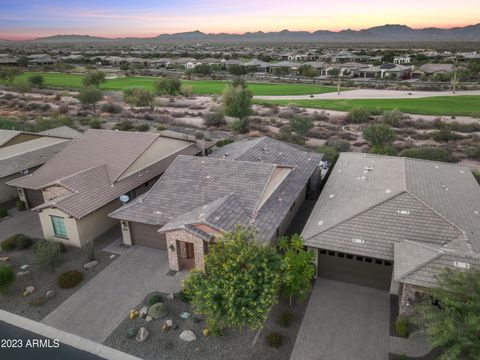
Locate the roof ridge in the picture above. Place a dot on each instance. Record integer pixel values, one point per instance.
(358, 214)
(422, 264)
(59, 181)
(257, 203)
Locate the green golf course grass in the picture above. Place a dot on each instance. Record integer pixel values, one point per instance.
(199, 87)
(438, 105)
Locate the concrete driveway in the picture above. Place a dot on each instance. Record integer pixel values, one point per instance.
(344, 322)
(23, 222)
(97, 308)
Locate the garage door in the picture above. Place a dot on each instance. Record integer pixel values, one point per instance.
(34, 198)
(360, 270)
(148, 236)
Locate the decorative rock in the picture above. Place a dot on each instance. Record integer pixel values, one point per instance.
(23, 273)
(4, 258)
(29, 290)
(148, 318)
(24, 267)
(133, 314)
(206, 332)
(90, 264)
(185, 315)
(165, 328)
(130, 333)
(143, 312)
(188, 336)
(112, 256)
(169, 323)
(142, 334)
(171, 296)
(198, 349)
(50, 294)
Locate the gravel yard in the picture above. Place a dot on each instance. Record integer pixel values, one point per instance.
(43, 281)
(235, 345)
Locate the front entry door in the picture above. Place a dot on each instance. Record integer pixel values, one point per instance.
(189, 250)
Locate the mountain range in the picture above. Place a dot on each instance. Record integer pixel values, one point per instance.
(385, 33)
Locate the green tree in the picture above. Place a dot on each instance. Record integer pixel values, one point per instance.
(240, 283)
(237, 102)
(22, 61)
(7, 277)
(308, 71)
(380, 136)
(239, 81)
(89, 96)
(9, 74)
(49, 254)
(168, 86)
(301, 124)
(237, 70)
(137, 96)
(36, 80)
(94, 78)
(299, 268)
(454, 325)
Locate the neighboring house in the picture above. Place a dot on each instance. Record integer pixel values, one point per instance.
(259, 183)
(392, 71)
(76, 189)
(432, 69)
(402, 60)
(379, 216)
(23, 152)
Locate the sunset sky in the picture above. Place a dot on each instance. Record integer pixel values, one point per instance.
(26, 19)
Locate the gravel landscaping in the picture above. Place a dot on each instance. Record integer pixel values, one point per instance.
(233, 344)
(45, 281)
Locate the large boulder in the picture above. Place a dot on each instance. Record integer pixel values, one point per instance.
(143, 312)
(90, 264)
(142, 334)
(188, 336)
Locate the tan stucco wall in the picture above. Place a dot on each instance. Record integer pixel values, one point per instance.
(70, 225)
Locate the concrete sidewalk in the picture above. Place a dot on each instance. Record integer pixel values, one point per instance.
(96, 309)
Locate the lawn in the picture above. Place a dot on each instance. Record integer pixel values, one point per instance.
(438, 105)
(199, 87)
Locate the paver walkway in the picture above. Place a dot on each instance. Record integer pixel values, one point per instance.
(344, 322)
(96, 309)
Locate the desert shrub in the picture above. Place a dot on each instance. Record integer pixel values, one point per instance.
(137, 96)
(330, 154)
(124, 125)
(223, 142)
(285, 319)
(9, 243)
(358, 115)
(20, 205)
(111, 108)
(84, 121)
(238, 126)
(429, 153)
(158, 310)
(7, 277)
(402, 326)
(161, 127)
(274, 339)
(444, 134)
(49, 254)
(155, 299)
(69, 279)
(339, 145)
(38, 301)
(23, 242)
(95, 123)
(392, 117)
(475, 152)
(476, 175)
(184, 296)
(62, 108)
(36, 80)
(142, 127)
(215, 117)
(476, 114)
(3, 212)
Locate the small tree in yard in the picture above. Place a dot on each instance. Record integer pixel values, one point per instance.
(49, 254)
(298, 268)
(36, 80)
(337, 74)
(301, 124)
(7, 277)
(380, 136)
(168, 86)
(94, 78)
(237, 102)
(137, 96)
(454, 325)
(240, 283)
(89, 96)
(9, 74)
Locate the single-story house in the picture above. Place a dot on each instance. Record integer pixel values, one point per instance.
(259, 183)
(394, 223)
(23, 152)
(75, 190)
(395, 71)
(402, 60)
(432, 69)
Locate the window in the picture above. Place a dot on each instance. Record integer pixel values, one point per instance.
(349, 256)
(368, 260)
(378, 262)
(331, 253)
(341, 255)
(359, 258)
(388, 263)
(323, 252)
(59, 226)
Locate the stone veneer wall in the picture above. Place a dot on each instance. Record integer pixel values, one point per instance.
(408, 293)
(174, 238)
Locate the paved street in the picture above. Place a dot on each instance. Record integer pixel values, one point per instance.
(344, 322)
(96, 309)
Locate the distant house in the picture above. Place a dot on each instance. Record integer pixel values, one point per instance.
(74, 191)
(401, 60)
(394, 223)
(258, 66)
(259, 183)
(386, 71)
(432, 69)
(8, 61)
(23, 152)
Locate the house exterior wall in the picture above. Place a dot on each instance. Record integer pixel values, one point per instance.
(409, 294)
(73, 238)
(174, 239)
(7, 192)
